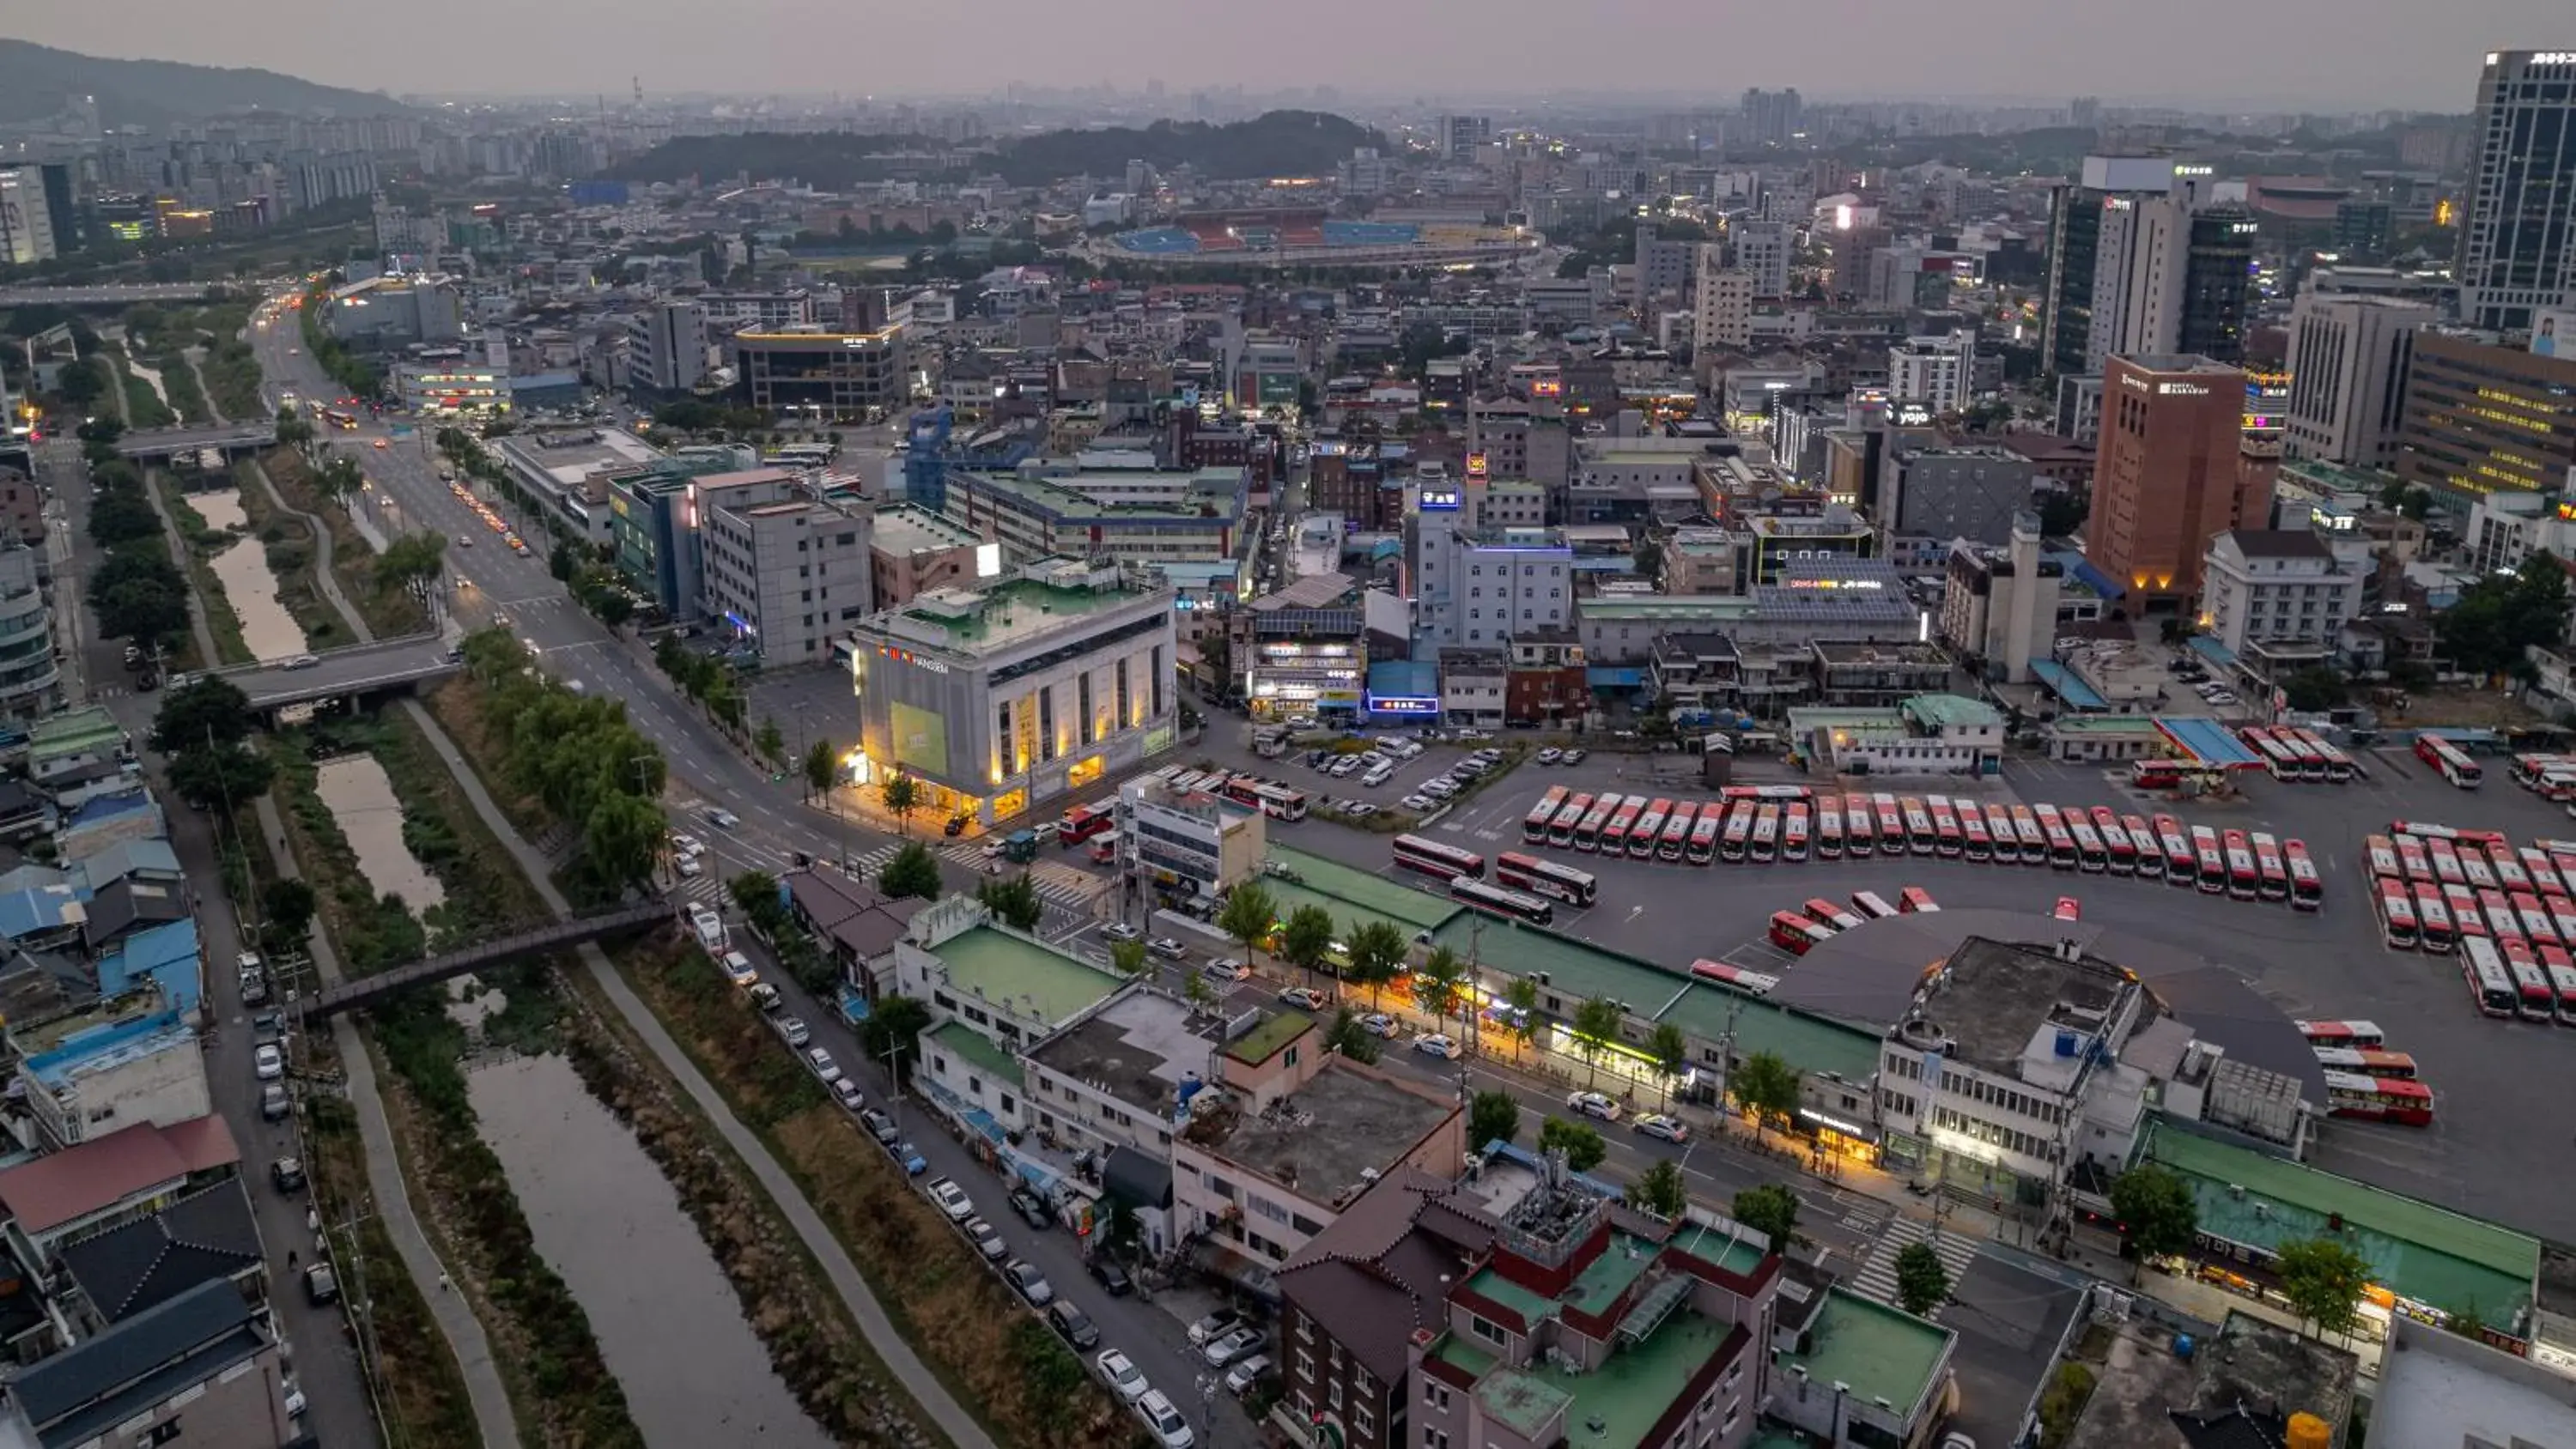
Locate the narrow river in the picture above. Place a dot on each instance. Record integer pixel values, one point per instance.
(250, 585)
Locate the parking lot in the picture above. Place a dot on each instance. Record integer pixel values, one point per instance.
(2328, 964)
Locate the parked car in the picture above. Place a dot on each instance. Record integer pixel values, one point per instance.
(1593, 1104)
(1120, 1373)
(1656, 1124)
(274, 1105)
(1031, 1284)
(687, 867)
(1378, 1023)
(268, 1063)
(822, 1065)
(1170, 1430)
(1418, 801)
(738, 969)
(1215, 1325)
(709, 927)
(1032, 1209)
(1112, 1277)
(1074, 1324)
(1550, 756)
(793, 1031)
(1574, 756)
(1304, 998)
(878, 1125)
(1378, 776)
(1167, 948)
(909, 1157)
(1226, 968)
(1437, 1044)
(321, 1285)
(1120, 931)
(846, 1092)
(987, 1240)
(764, 997)
(1245, 1373)
(1242, 1343)
(952, 1200)
(1345, 767)
(287, 1173)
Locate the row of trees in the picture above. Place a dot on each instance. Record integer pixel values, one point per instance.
(594, 582)
(139, 594)
(204, 731)
(580, 758)
(2322, 1277)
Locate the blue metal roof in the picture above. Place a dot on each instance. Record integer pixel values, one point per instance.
(2207, 741)
(2064, 683)
(1613, 676)
(2213, 651)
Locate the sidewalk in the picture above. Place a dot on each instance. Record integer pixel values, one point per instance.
(897, 1353)
(455, 1317)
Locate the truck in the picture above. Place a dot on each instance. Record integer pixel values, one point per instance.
(1020, 847)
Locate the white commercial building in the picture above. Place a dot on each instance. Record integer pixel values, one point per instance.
(1723, 314)
(780, 566)
(1186, 844)
(1934, 371)
(2349, 357)
(666, 347)
(1481, 587)
(2000, 605)
(2276, 590)
(1763, 251)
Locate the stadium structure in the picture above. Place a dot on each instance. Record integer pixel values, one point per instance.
(1306, 237)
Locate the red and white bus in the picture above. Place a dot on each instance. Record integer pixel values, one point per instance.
(2279, 761)
(2307, 884)
(1712, 822)
(1773, 794)
(2424, 830)
(1974, 842)
(2538, 926)
(2503, 922)
(2530, 770)
(1677, 830)
(2490, 984)
(1083, 822)
(2338, 765)
(2342, 1033)
(2182, 863)
(2413, 859)
(1766, 834)
(1432, 857)
(2561, 969)
(2305, 763)
(2562, 916)
(2156, 775)
(1793, 833)
(2091, 855)
(1543, 877)
(1872, 905)
(1891, 823)
(1796, 934)
(1587, 832)
(1614, 836)
(2396, 915)
(2379, 857)
(2379, 1099)
(2209, 863)
(2480, 870)
(2433, 919)
(2446, 863)
(1496, 901)
(2116, 844)
(1648, 828)
(2368, 1062)
(1918, 826)
(1280, 802)
(1820, 910)
(2449, 761)
(1739, 832)
(1752, 982)
(1914, 900)
(2142, 839)
(1534, 829)
(1860, 825)
(2467, 916)
(1946, 837)
(2508, 868)
(1560, 831)
(2007, 834)
(2530, 984)
(2244, 877)
(2059, 840)
(1829, 827)
(2273, 874)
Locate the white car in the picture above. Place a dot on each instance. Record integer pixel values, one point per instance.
(1170, 1430)
(823, 1065)
(1240, 1378)
(1418, 801)
(1121, 1374)
(1344, 766)
(1167, 948)
(1120, 931)
(723, 819)
(1550, 756)
(1378, 1023)
(952, 1199)
(1656, 1124)
(1438, 1044)
(688, 867)
(708, 925)
(738, 970)
(1378, 776)
(1227, 968)
(687, 845)
(1593, 1104)
(268, 1063)
(846, 1092)
(792, 1030)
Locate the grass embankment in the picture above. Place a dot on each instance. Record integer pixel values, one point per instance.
(143, 406)
(559, 1385)
(388, 611)
(1002, 1363)
(461, 708)
(180, 381)
(203, 543)
(420, 1386)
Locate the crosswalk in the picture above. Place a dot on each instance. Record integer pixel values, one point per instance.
(1877, 1277)
(1057, 883)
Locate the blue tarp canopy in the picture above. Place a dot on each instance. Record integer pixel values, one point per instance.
(2206, 741)
(1612, 676)
(854, 1006)
(2063, 683)
(2213, 651)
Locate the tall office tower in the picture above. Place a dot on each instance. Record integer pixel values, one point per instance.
(1460, 136)
(1722, 316)
(2349, 357)
(26, 222)
(1771, 118)
(2486, 419)
(2188, 276)
(2092, 246)
(2171, 476)
(2518, 240)
(1763, 249)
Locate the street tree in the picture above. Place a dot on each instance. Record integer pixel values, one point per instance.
(623, 839)
(1579, 1141)
(1670, 1051)
(412, 563)
(822, 766)
(1249, 917)
(120, 516)
(1522, 997)
(1766, 1087)
(1596, 1025)
(1351, 1039)
(901, 795)
(2156, 1206)
(1922, 1284)
(1659, 1190)
(771, 742)
(892, 1027)
(1013, 900)
(212, 710)
(1194, 989)
(222, 776)
(1771, 1208)
(286, 909)
(1438, 988)
(1128, 957)
(755, 894)
(1492, 1116)
(2323, 1279)
(1307, 939)
(1377, 949)
(913, 871)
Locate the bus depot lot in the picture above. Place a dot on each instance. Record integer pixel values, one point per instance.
(2492, 1079)
(1292, 770)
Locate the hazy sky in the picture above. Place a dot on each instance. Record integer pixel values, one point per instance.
(2342, 54)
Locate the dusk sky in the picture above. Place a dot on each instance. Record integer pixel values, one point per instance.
(2319, 54)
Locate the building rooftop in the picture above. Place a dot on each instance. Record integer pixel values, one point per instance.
(2437, 1387)
(1951, 711)
(1211, 499)
(1615, 1405)
(1343, 886)
(77, 1395)
(2414, 1249)
(1007, 612)
(88, 1176)
(1993, 998)
(2262, 1366)
(1265, 1039)
(1908, 652)
(996, 965)
(1329, 1138)
(2174, 362)
(1137, 1049)
(976, 1050)
(1882, 1352)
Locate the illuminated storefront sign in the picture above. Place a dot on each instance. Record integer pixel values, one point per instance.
(1477, 465)
(1440, 500)
(1402, 704)
(2181, 389)
(906, 656)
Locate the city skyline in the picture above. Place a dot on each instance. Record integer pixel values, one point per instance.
(2401, 57)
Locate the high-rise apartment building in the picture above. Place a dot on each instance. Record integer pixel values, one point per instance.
(2090, 239)
(1772, 118)
(2518, 233)
(1663, 269)
(1460, 136)
(2349, 359)
(2171, 477)
(2142, 261)
(1763, 250)
(2486, 419)
(26, 223)
(1933, 371)
(1722, 314)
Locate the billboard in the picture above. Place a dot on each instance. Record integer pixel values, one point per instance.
(920, 740)
(2553, 332)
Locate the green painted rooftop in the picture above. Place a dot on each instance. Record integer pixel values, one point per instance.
(1004, 967)
(1739, 1255)
(1881, 1352)
(1274, 1032)
(2415, 1249)
(977, 1051)
(1528, 1302)
(1012, 610)
(1938, 710)
(1634, 1386)
(1609, 1275)
(1354, 886)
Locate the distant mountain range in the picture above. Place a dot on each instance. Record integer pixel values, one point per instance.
(36, 81)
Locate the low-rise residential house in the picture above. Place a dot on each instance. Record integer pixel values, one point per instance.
(207, 1357)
